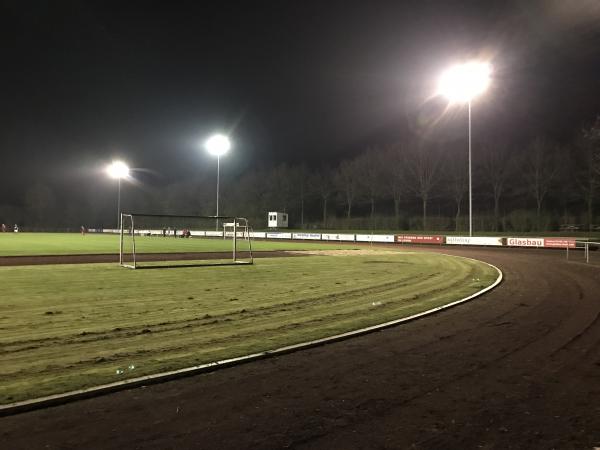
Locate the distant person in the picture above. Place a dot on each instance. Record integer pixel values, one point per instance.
(4, 228)
(16, 228)
(83, 230)
(164, 231)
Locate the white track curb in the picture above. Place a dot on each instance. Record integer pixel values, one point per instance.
(57, 399)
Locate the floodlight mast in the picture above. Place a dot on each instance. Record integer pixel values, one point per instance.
(217, 145)
(461, 84)
(118, 170)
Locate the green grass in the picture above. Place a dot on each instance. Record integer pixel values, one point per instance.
(27, 244)
(66, 327)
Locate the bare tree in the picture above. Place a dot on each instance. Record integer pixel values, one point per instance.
(370, 182)
(322, 184)
(394, 175)
(423, 168)
(496, 169)
(456, 169)
(280, 186)
(591, 136)
(299, 175)
(540, 171)
(346, 180)
(588, 178)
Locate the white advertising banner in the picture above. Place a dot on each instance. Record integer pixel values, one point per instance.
(310, 236)
(258, 234)
(198, 233)
(239, 234)
(375, 238)
(272, 235)
(524, 242)
(337, 237)
(473, 240)
(214, 233)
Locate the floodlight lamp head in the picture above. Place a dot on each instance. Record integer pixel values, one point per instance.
(117, 170)
(463, 82)
(217, 144)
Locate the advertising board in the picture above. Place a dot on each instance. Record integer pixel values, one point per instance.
(374, 238)
(277, 235)
(258, 234)
(559, 242)
(418, 239)
(214, 234)
(337, 237)
(524, 242)
(473, 240)
(309, 236)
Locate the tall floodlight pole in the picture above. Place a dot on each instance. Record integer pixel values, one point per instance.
(461, 84)
(217, 145)
(118, 170)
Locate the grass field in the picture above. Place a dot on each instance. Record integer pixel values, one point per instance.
(23, 244)
(65, 327)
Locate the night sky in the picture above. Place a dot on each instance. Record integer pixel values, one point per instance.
(83, 82)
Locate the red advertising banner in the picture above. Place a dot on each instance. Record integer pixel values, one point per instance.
(559, 242)
(416, 239)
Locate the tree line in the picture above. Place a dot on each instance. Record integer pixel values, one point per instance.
(413, 184)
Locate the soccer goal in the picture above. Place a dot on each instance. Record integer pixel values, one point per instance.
(165, 240)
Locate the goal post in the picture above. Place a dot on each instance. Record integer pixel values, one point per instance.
(167, 240)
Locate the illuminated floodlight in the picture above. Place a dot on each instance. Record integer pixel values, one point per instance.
(118, 170)
(218, 144)
(461, 83)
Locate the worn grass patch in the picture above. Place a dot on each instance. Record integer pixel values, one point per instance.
(68, 327)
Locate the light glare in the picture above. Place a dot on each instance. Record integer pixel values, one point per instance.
(118, 169)
(463, 82)
(218, 144)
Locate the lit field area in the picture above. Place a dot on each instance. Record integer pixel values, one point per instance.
(69, 327)
(33, 244)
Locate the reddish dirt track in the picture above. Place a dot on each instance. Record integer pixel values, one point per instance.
(518, 368)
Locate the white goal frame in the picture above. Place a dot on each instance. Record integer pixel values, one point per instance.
(236, 221)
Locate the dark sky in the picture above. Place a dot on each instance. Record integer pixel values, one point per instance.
(83, 81)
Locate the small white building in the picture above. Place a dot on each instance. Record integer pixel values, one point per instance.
(277, 220)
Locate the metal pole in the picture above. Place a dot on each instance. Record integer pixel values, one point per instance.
(587, 252)
(234, 238)
(470, 181)
(121, 242)
(218, 170)
(119, 204)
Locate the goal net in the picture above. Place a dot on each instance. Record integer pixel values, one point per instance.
(163, 240)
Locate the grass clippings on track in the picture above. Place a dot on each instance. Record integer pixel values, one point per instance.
(69, 327)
